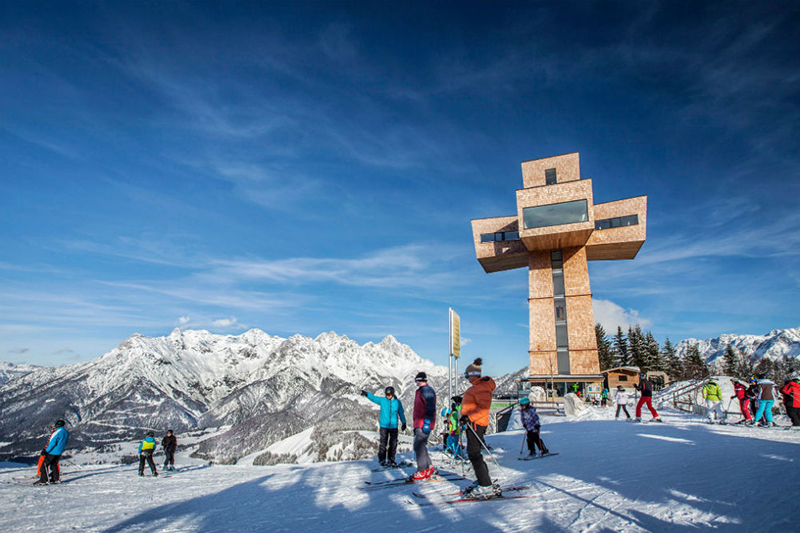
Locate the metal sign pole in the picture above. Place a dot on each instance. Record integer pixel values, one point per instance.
(449, 355)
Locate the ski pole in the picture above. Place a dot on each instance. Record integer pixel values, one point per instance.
(483, 445)
(522, 447)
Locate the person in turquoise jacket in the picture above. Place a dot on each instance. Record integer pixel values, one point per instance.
(713, 397)
(146, 449)
(49, 471)
(391, 410)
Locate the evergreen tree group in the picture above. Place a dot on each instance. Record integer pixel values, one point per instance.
(641, 349)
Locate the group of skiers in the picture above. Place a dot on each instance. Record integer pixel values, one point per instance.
(756, 400)
(468, 413)
(645, 387)
(148, 447)
(49, 470)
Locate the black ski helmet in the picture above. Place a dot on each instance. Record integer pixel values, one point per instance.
(151, 433)
(60, 424)
(620, 387)
(389, 391)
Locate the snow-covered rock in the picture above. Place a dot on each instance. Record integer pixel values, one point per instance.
(573, 405)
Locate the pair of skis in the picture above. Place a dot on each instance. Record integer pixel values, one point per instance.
(532, 457)
(378, 485)
(454, 498)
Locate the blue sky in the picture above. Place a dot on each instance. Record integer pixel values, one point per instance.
(303, 167)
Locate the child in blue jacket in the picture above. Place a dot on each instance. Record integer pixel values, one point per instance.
(391, 410)
(530, 421)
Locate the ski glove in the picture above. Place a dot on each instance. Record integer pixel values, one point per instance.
(426, 427)
(364, 393)
(464, 420)
(44, 452)
(403, 427)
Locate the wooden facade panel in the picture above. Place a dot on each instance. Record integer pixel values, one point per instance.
(540, 275)
(584, 362)
(543, 363)
(576, 271)
(542, 324)
(580, 323)
(611, 252)
(504, 262)
(568, 168)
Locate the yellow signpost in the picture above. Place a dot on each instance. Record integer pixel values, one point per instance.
(455, 352)
(455, 334)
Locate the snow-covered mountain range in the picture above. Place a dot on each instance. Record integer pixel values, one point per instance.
(260, 387)
(774, 345)
(9, 371)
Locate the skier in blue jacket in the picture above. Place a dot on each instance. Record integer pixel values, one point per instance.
(391, 410)
(52, 453)
(146, 449)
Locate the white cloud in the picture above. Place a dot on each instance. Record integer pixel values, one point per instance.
(184, 320)
(228, 323)
(611, 316)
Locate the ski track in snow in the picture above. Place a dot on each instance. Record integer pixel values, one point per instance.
(685, 476)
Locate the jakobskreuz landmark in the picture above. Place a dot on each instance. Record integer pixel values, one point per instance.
(556, 230)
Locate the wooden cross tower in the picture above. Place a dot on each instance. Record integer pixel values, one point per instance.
(556, 230)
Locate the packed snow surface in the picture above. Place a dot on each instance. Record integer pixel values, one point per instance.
(683, 475)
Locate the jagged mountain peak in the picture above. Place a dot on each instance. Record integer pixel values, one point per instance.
(774, 345)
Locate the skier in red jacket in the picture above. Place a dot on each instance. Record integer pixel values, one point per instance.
(791, 400)
(740, 392)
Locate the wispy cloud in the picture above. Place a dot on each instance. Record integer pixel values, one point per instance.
(19, 350)
(399, 267)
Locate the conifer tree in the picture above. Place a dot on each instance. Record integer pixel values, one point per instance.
(672, 363)
(730, 361)
(694, 365)
(654, 359)
(603, 348)
(746, 368)
(621, 348)
(637, 348)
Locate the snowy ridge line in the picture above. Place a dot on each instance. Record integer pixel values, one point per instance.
(259, 386)
(774, 345)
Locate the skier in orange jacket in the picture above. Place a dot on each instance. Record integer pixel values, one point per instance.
(475, 406)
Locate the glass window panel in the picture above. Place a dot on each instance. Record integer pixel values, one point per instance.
(550, 176)
(512, 236)
(555, 214)
(556, 256)
(562, 339)
(563, 362)
(558, 283)
(602, 224)
(615, 222)
(487, 237)
(498, 237)
(561, 312)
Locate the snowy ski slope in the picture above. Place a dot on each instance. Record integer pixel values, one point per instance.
(683, 475)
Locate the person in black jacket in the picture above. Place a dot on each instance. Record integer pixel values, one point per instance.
(170, 444)
(646, 388)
